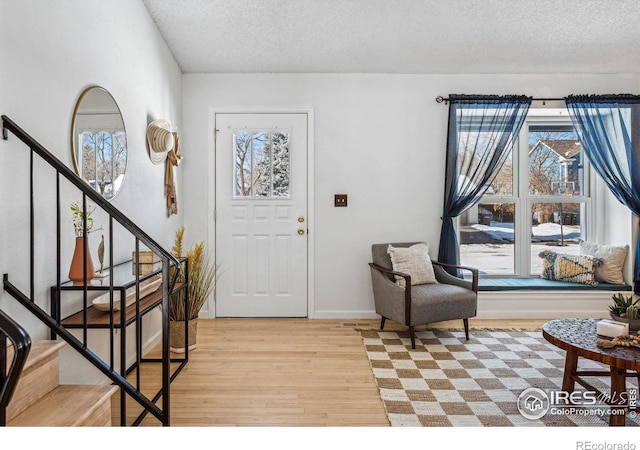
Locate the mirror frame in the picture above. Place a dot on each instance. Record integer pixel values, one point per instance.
(74, 150)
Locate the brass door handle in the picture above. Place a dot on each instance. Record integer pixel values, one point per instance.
(300, 231)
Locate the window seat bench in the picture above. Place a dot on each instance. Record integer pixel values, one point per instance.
(540, 284)
(537, 298)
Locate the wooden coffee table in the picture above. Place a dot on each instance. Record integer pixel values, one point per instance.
(578, 338)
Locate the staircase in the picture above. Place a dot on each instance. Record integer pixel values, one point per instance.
(30, 394)
(39, 399)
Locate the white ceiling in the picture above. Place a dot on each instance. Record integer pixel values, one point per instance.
(401, 36)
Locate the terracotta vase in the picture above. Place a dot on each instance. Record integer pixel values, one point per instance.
(76, 271)
(176, 335)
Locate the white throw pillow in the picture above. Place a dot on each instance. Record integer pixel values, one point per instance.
(613, 258)
(414, 261)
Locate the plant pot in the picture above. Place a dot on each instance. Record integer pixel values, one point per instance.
(634, 324)
(176, 335)
(76, 271)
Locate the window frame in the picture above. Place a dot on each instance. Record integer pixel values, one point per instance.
(523, 200)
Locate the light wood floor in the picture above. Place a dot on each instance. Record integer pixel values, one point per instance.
(283, 372)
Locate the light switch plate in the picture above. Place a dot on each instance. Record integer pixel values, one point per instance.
(340, 200)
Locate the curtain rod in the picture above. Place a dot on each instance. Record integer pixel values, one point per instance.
(441, 99)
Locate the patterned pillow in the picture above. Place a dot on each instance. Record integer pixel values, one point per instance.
(573, 268)
(414, 261)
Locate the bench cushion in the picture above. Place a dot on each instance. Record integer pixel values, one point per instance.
(540, 284)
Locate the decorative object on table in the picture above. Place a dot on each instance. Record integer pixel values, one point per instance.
(148, 262)
(173, 160)
(626, 340)
(103, 302)
(202, 281)
(160, 140)
(611, 328)
(625, 310)
(605, 343)
(101, 273)
(83, 225)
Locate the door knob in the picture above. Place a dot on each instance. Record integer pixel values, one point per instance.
(300, 231)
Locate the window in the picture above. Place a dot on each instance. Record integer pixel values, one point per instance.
(539, 200)
(261, 164)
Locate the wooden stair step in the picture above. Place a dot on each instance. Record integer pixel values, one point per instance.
(69, 406)
(39, 377)
(40, 352)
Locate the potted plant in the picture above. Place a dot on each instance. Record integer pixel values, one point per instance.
(202, 281)
(625, 309)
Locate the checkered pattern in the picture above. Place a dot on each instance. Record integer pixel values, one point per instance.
(449, 381)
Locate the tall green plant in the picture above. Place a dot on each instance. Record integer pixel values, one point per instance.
(202, 280)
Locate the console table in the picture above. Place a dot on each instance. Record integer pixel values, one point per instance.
(76, 311)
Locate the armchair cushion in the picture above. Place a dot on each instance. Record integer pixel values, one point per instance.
(414, 261)
(435, 303)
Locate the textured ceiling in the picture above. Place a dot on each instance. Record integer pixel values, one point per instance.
(401, 36)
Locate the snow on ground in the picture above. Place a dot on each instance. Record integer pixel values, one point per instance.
(543, 232)
(497, 258)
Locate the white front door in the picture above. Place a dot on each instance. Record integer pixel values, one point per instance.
(261, 215)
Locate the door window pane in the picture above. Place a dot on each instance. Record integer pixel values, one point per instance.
(242, 169)
(261, 164)
(261, 159)
(280, 164)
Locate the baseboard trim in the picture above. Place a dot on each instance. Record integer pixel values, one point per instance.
(339, 315)
(518, 304)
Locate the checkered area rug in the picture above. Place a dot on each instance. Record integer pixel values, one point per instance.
(447, 381)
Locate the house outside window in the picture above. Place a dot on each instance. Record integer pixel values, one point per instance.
(539, 200)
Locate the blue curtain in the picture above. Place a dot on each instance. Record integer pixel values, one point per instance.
(481, 134)
(608, 128)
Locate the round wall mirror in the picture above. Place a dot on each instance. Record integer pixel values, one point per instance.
(99, 141)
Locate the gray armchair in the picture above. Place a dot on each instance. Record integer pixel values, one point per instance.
(450, 298)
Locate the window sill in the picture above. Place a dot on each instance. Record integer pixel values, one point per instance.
(539, 284)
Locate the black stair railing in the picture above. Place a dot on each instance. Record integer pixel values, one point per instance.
(170, 272)
(10, 375)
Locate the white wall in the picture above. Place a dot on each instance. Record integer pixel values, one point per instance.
(379, 138)
(49, 52)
